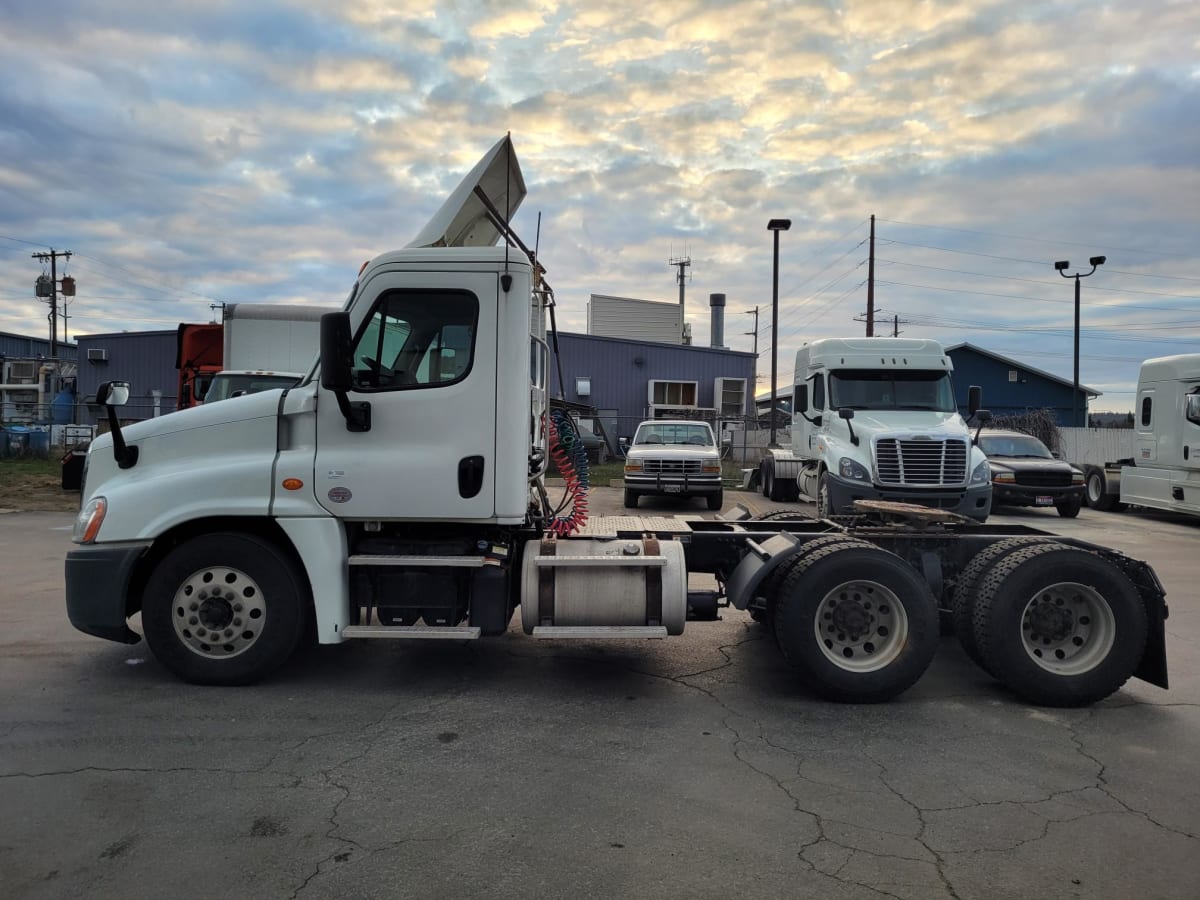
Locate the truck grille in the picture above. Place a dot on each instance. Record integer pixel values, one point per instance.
(671, 466)
(1044, 479)
(921, 462)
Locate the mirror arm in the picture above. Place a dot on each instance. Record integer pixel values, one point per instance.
(125, 455)
(357, 414)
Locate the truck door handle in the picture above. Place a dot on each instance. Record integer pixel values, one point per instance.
(470, 476)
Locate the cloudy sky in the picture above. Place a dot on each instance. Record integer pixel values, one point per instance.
(220, 150)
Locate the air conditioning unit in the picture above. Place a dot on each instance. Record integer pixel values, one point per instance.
(21, 372)
(97, 354)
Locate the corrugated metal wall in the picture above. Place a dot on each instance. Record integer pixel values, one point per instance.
(620, 371)
(19, 346)
(145, 359)
(638, 320)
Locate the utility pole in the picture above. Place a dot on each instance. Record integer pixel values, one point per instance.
(52, 258)
(753, 312)
(683, 263)
(1061, 266)
(871, 283)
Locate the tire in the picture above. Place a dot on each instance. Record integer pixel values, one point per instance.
(769, 589)
(631, 499)
(260, 592)
(966, 588)
(1069, 508)
(717, 500)
(764, 479)
(889, 617)
(824, 507)
(1095, 492)
(1060, 626)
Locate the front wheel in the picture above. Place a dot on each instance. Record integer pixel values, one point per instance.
(824, 505)
(856, 622)
(631, 499)
(1070, 507)
(224, 609)
(715, 501)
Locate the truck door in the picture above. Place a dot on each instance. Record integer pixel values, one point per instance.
(425, 360)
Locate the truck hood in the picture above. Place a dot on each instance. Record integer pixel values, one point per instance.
(899, 423)
(235, 409)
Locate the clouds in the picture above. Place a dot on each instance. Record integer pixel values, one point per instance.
(261, 152)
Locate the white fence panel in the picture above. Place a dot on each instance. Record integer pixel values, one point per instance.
(1096, 445)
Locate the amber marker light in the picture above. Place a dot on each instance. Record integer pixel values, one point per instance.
(292, 484)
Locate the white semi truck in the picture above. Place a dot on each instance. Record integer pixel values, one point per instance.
(1164, 472)
(398, 492)
(875, 419)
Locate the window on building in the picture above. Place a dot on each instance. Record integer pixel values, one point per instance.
(673, 393)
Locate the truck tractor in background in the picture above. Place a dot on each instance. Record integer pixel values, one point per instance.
(198, 356)
(875, 419)
(1164, 472)
(398, 492)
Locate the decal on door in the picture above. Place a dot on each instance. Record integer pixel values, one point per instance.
(339, 494)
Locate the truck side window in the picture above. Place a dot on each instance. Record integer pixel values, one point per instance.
(416, 339)
(1192, 407)
(818, 392)
(1146, 404)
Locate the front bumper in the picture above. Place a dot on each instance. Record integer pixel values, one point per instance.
(1027, 495)
(974, 501)
(98, 579)
(674, 485)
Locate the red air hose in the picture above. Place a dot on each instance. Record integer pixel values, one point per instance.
(565, 525)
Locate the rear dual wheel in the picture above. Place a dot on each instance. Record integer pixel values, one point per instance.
(855, 622)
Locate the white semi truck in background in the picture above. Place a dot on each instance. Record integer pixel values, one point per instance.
(876, 419)
(1164, 472)
(399, 492)
(266, 346)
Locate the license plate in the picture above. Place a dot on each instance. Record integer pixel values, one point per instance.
(1043, 500)
(672, 488)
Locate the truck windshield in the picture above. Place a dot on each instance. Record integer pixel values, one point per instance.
(225, 386)
(883, 389)
(1013, 446)
(696, 435)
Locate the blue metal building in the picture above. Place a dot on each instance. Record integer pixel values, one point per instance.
(628, 381)
(1011, 387)
(19, 346)
(146, 359)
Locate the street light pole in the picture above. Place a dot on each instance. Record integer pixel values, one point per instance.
(1062, 266)
(776, 226)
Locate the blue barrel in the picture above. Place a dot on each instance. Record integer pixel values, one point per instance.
(39, 442)
(18, 442)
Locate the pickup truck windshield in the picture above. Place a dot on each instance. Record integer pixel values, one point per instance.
(696, 435)
(1013, 446)
(882, 389)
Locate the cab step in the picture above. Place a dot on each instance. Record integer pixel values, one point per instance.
(413, 632)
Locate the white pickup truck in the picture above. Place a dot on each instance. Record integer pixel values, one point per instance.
(673, 458)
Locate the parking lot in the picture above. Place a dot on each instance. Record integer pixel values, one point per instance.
(693, 767)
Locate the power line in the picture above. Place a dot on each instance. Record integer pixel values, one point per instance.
(1017, 237)
(5, 237)
(957, 290)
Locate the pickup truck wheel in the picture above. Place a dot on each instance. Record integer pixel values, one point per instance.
(824, 507)
(1095, 492)
(1070, 507)
(1060, 626)
(631, 499)
(715, 501)
(224, 609)
(966, 588)
(856, 622)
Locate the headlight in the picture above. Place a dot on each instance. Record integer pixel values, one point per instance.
(980, 475)
(1004, 478)
(848, 468)
(1076, 477)
(711, 468)
(633, 465)
(89, 520)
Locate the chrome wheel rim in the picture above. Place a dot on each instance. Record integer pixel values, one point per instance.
(218, 612)
(861, 626)
(1068, 628)
(1094, 489)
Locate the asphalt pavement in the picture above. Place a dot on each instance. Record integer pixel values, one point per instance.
(692, 767)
